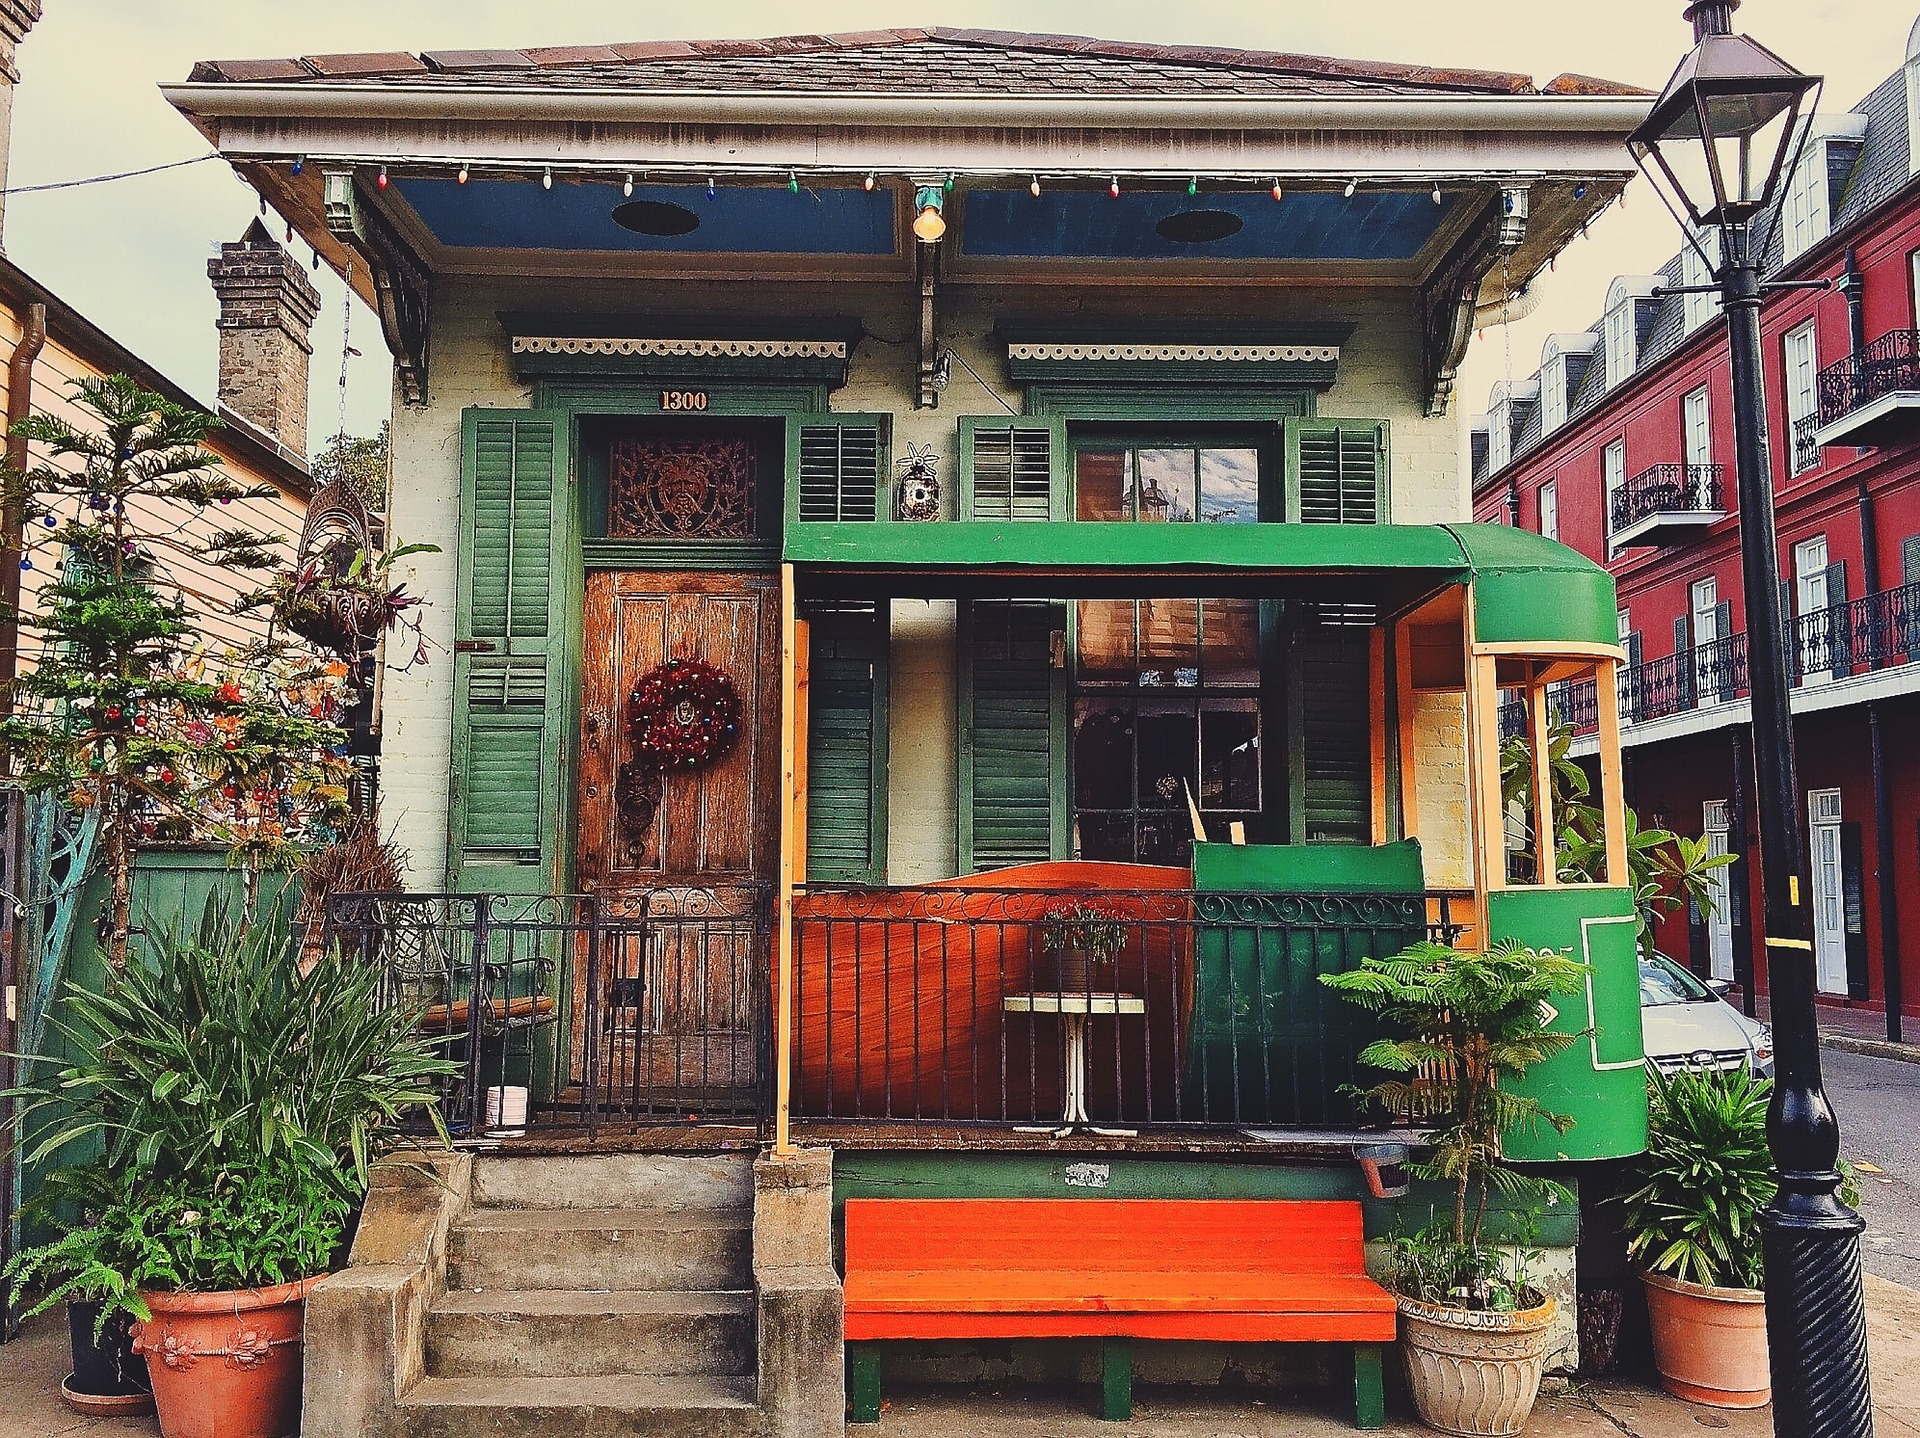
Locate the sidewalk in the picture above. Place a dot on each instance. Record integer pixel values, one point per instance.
(1860, 1031)
(32, 1366)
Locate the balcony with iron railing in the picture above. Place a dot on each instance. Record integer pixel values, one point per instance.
(1805, 437)
(1863, 636)
(1667, 504)
(1872, 397)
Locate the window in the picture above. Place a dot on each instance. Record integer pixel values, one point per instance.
(1696, 433)
(1802, 375)
(1553, 395)
(1810, 596)
(1550, 510)
(1829, 917)
(1613, 469)
(1621, 342)
(1697, 309)
(1804, 221)
(1166, 483)
(1499, 437)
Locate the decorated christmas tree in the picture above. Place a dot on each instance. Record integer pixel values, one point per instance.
(128, 709)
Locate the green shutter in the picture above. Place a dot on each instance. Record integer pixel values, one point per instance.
(1336, 471)
(1012, 468)
(840, 468)
(516, 582)
(1012, 735)
(847, 743)
(1329, 714)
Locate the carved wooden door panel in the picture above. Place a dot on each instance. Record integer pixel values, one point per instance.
(681, 859)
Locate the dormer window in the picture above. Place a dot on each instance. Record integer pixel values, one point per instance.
(1563, 362)
(1806, 210)
(1698, 307)
(1621, 329)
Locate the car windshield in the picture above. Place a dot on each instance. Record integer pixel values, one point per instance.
(1664, 982)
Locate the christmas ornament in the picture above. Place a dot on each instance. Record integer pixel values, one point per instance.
(682, 715)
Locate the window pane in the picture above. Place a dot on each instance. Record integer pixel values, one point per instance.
(1169, 643)
(1102, 754)
(1166, 838)
(1165, 756)
(1230, 641)
(1106, 836)
(1105, 641)
(1100, 484)
(1230, 486)
(1165, 484)
(1230, 756)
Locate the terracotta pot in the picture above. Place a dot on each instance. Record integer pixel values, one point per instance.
(1472, 1373)
(1710, 1344)
(226, 1365)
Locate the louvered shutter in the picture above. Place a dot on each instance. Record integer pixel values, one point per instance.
(842, 469)
(1012, 759)
(1337, 471)
(508, 671)
(1839, 620)
(846, 743)
(1723, 628)
(1012, 469)
(1683, 659)
(1330, 748)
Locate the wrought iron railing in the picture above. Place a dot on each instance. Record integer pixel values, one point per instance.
(643, 1006)
(1806, 454)
(1570, 702)
(1122, 1010)
(1670, 489)
(1872, 632)
(1889, 365)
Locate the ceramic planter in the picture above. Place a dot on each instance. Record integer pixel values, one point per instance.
(1710, 1344)
(108, 1376)
(226, 1365)
(1472, 1373)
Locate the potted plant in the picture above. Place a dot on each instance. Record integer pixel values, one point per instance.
(1693, 1223)
(237, 1103)
(1473, 1326)
(1085, 938)
(343, 598)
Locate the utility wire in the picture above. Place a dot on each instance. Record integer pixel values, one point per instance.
(105, 179)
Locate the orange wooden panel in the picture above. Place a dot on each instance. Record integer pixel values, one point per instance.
(1080, 1291)
(1213, 1327)
(1272, 1236)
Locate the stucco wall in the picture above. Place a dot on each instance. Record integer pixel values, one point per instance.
(1379, 377)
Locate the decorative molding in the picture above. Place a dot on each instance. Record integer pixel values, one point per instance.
(402, 284)
(1450, 296)
(681, 348)
(1177, 353)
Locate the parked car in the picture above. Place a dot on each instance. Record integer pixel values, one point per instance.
(1686, 1024)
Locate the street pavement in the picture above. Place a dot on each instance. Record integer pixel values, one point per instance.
(1878, 1104)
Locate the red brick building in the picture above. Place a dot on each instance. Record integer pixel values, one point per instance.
(1621, 445)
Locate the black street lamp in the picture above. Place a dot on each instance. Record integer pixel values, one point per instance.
(1718, 139)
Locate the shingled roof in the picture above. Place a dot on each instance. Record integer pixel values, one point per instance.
(923, 62)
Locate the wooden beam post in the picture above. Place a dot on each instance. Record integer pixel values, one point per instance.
(1613, 791)
(1545, 836)
(783, 897)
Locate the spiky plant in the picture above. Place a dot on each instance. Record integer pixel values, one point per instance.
(1471, 1024)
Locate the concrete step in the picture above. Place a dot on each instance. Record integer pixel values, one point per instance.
(685, 1406)
(636, 1180)
(541, 1333)
(598, 1248)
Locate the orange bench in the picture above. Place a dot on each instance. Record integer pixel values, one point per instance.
(1116, 1269)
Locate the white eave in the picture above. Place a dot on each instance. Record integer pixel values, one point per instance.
(1609, 115)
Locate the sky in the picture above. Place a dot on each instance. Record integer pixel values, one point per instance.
(132, 255)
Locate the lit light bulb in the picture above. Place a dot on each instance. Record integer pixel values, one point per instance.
(462, 176)
(626, 187)
(1278, 193)
(1352, 185)
(1113, 187)
(793, 183)
(382, 180)
(1034, 188)
(1436, 194)
(867, 184)
(546, 177)
(929, 225)
(949, 182)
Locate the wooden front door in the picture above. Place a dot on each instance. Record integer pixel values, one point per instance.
(669, 999)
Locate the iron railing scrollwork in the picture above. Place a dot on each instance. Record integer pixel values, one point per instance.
(1890, 365)
(1669, 489)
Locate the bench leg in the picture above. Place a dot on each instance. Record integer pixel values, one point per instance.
(863, 1381)
(1116, 1379)
(1369, 1391)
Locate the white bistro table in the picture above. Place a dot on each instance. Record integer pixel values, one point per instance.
(1074, 1009)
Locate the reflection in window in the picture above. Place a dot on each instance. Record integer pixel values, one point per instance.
(1168, 484)
(1166, 705)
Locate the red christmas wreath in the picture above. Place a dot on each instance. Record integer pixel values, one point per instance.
(683, 715)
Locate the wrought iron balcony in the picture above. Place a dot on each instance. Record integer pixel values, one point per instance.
(1873, 395)
(1806, 443)
(1876, 631)
(1667, 504)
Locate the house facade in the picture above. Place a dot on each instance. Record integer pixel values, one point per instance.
(1620, 445)
(955, 595)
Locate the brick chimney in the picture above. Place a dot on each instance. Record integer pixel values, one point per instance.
(16, 18)
(267, 307)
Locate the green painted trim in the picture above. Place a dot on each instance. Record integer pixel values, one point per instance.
(1369, 1387)
(686, 371)
(1383, 469)
(1116, 1379)
(1309, 868)
(1057, 816)
(1142, 402)
(1531, 589)
(879, 421)
(1187, 374)
(624, 397)
(665, 554)
(863, 1382)
(875, 869)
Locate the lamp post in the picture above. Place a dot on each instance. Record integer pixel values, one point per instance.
(1715, 145)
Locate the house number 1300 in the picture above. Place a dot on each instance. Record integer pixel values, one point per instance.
(683, 399)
